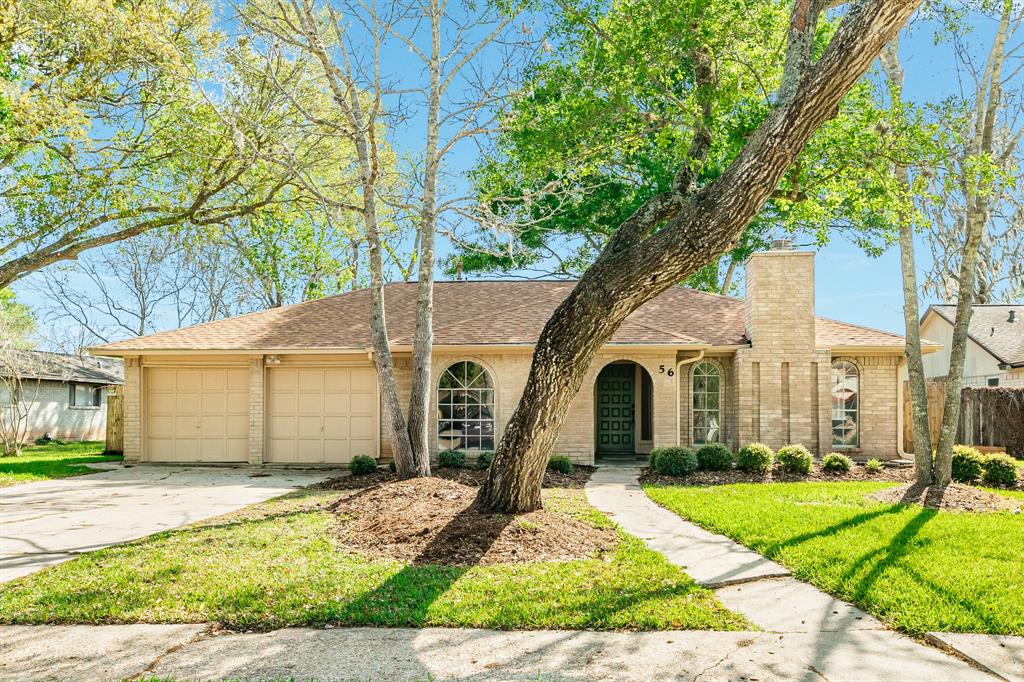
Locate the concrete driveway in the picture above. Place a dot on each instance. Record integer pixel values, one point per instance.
(49, 522)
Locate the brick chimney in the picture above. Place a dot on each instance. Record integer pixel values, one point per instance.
(779, 299)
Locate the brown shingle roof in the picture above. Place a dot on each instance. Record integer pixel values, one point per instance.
(997, 328)
(478, 313)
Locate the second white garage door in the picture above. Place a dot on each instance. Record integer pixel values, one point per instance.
(321, 414)
(197, 414)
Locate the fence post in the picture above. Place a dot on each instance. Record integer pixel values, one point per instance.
(115, 419)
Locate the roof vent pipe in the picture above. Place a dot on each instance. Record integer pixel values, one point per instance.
(1012, 314)
(782, 245)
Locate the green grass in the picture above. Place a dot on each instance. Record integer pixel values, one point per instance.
(43, 462)
(918, 569)
(277, 564)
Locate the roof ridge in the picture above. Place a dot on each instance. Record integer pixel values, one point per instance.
(861, 326)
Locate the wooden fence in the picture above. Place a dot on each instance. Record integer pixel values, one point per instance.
(115, 419)
(990, 418)
(936, 389)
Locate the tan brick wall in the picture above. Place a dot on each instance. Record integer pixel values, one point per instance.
(132, 410)
(509, 372)
(879, 405)
(257, 402)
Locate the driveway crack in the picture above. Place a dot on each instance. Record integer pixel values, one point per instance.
(208, 631)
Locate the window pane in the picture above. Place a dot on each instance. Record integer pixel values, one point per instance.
(465, 400)
(845, 403)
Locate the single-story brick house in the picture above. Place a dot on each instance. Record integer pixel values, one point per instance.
(297, 385)
(63, 396)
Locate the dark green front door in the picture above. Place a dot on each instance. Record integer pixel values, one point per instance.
(615, 409)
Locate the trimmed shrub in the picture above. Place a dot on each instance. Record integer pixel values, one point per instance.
(361, 465)
(561, 463)
(1000, 469)
(484, 459)
(451, 459)
(714, 457)
(755, 457)
(874, 466)
(392, 467)
(673, 461)
(795, 459)
(836, 463)
(968, 464)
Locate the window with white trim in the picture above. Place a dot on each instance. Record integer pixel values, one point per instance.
(84, 395)
(707, 403)
(845, 404)
(465, 408)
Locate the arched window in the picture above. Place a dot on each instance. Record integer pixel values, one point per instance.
(465, 408)
(845, 404)
(707, 403)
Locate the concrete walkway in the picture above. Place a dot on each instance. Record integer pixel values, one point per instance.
(188, 652)
(49, 522)
(761, 590)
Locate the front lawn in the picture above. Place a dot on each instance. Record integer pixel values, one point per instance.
(280, 564)
(918, 569)
(42, 462)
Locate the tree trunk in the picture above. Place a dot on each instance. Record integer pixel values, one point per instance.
(923, 461)
(640, 261)
(423, 343)
(988, 103)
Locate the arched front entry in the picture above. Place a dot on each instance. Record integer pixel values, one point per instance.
(624, 410)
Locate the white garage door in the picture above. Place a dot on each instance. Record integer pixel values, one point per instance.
(197, 414)
(321, 414)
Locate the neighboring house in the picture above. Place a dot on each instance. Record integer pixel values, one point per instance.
(297, 385)
(995, 344)
(64, 396)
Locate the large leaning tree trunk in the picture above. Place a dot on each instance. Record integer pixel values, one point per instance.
(923, 461)
(641, 261)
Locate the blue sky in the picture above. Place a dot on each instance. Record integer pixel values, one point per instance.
(850, 285)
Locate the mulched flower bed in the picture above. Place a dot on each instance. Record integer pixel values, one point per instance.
(952, 497)
(473, 477)
(437, 521)
(777, 475)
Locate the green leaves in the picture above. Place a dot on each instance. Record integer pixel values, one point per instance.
(606, 120)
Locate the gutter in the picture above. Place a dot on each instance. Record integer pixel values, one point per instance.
(684, 361)
(899, 411)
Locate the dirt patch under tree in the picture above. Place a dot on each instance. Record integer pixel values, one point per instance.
(437, 521)
(952, 497)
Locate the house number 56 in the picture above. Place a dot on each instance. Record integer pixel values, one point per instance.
(671, 372)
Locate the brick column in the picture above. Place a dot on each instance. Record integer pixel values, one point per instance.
(132, 445)
(257, 418)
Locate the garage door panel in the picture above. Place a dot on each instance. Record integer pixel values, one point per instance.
(310, 403)
(193, 415)
(238, 380)
(309, 450)
(311, 379)
(363, 427)
(188, 380)
(337, 404)
(216, 403)
(338, 379)
(336, 427)
(320, 411)
(364, 406)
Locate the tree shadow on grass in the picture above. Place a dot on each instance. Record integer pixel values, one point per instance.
(405, 597)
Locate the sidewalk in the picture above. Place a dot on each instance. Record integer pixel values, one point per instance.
(762, 590)
(193, 652)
